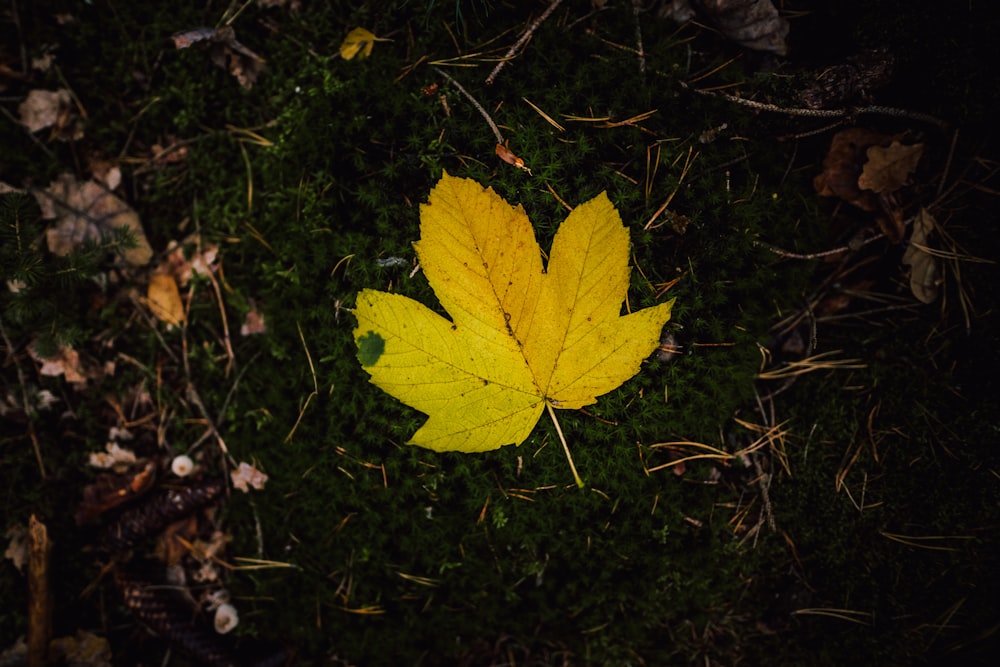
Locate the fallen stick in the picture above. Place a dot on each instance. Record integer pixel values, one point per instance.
(521, 42)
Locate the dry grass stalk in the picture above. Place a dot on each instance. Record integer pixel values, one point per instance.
(850, 615)
(816, 362)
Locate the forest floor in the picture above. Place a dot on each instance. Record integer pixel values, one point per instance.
(196, 468)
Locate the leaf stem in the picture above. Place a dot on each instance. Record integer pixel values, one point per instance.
(562, 439)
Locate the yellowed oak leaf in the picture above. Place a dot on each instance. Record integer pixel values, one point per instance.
(889, 167)
(520, 335)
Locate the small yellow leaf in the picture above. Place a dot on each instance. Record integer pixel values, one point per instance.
(519, 337)
(358, 41)
(165, 299)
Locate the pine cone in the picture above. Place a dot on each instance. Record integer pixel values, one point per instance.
(166, 614)
(155, 514)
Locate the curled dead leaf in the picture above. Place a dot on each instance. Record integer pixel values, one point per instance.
(507, 155)
(226, 51)
(924, 273)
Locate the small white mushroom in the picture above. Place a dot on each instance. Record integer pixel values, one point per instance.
(182, 465)
(226, 618)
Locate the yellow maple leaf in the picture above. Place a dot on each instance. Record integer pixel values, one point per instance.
(520, 336)
(358, 41)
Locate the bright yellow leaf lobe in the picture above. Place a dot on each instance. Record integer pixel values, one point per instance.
(519, 335)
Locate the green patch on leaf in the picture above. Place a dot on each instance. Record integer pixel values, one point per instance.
(370, 348)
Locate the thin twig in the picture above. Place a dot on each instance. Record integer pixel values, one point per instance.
(875, 110)
(16, 18)
(764, 479)
(475, 103)
(152, 326)
(522, 41)
(688, 161)
(191, 390)
(31, 135)
(313, 394)
(220, 417)
(640, 51)
(227, 343)
(947, 164)
(823, 253)
(25, 404)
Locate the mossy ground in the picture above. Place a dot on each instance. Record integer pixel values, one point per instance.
(884, 490)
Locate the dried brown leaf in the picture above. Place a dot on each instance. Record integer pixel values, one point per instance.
(889, 168)
(242, 63)
(66, 361)
(183, 265)
(17, 547)
(170, 544)
(253, 322)
(844, 164)
(82, 650)
(42, 108)
(187, 38)
(226, 51)
(87, 211)
(51, 108)
(110, 490)
(754, 24)
(246, 476)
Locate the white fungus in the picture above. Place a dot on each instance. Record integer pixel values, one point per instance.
(226, 618)
(182, 465)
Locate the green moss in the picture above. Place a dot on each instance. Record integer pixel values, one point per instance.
(404, 556)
